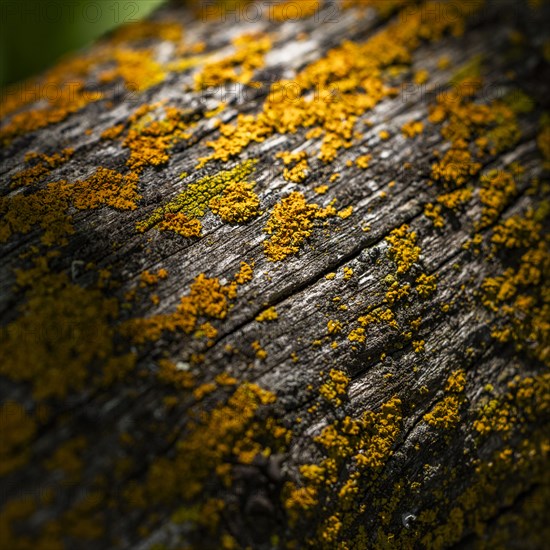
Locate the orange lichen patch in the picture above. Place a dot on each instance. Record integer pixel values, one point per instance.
(426, 285)
(348, 273)
(493, 416)
(49, 207)
(351, 72)
(149, 279)
(456, 168)
(107, 187)
(403, 250)
(46, 207)
(238, 202)
(269, 314)
(207, 299)
(321, 189)
(357, 335)
(356, 450)
(260, 352)
(433, 212)
(526, 400)
(396, 292)
(517, 231)
(228, 435)
(113, 133)
(456, 381)
(377, 316)
(137, 68)
(497, 188)
(473, 130)
(17, 429)
(66, 79)
(334, 327)
(345, 212)
(149, 140)
(299, 167)
(145, 30)
(71, 338)
(412, 128)
(363, 161)
(290, 224)
(446, 413)
(181, 224)
(237, 67)
(206, 330)
(335, 387)
(455, 199)
(233, 140)
(419, 346)
(245, 273)
(421, 77)
(197, 198)
(42, 165)
(289, 10)
(519, 296)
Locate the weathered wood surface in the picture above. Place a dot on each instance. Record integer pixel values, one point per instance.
(113, 464)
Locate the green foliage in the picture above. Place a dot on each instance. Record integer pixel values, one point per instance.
(35, 33)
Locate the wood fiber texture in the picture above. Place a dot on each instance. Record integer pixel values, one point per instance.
(373, 377)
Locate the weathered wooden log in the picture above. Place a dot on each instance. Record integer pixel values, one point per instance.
(278, 278)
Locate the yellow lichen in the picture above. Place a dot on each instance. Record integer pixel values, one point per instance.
(426, 285)
(357, 335)
(289, 10)
(238, 203)
(352, 72)
(334, 327)
(290, 224)
(363, 161)
(345, 212)
(497, 188)
(181, 224)
(296, 166)
(412, 128)
(335, 387)
(137, 68)
(377, 316)
(196, 199)
(245, 274)
(42, 165)
(207, 298)
(237, 67)
(418, 346)
(446, 413)
(70, 329)
(269, 314)
(403, 249)
(18, 429)
(260, 352)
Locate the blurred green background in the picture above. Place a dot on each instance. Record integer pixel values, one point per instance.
(35, 33)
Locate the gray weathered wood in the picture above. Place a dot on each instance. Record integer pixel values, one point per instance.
(442, 462)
